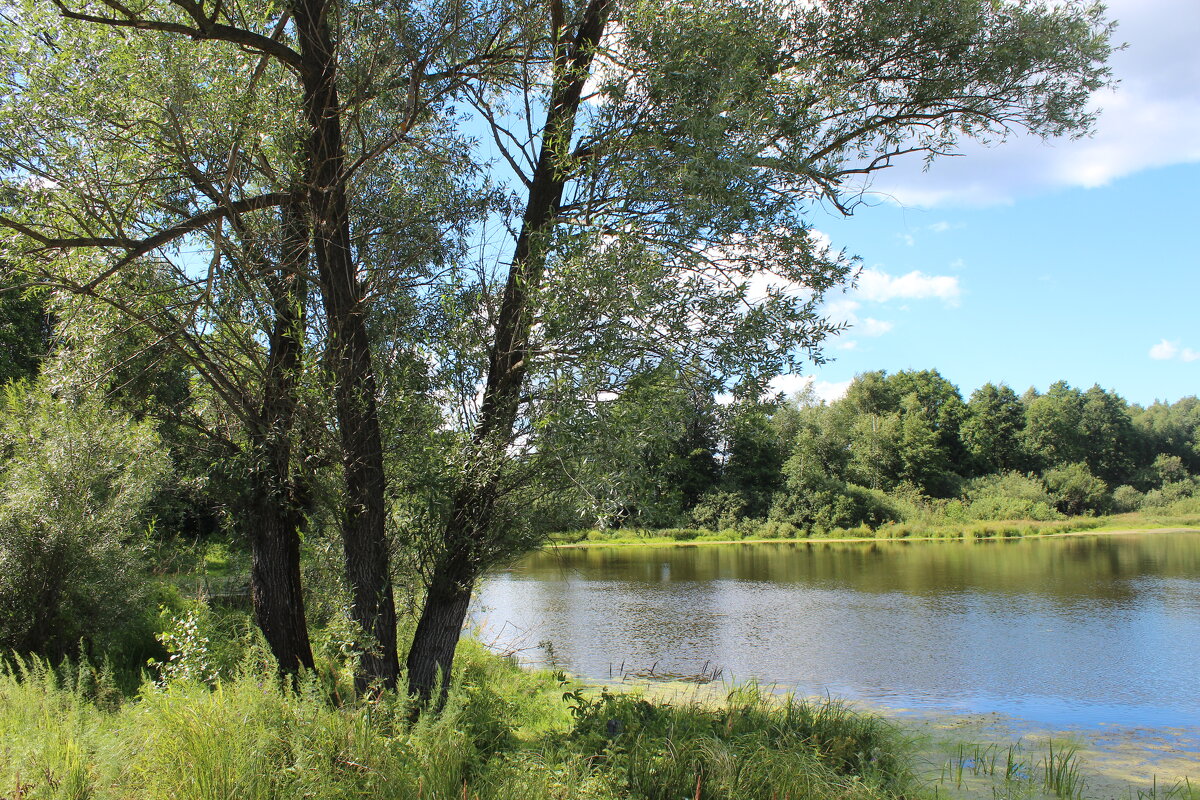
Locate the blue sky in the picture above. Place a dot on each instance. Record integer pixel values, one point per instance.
(1032, 262)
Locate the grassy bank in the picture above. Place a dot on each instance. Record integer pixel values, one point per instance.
(511, 733)
(505, 733)
(783, 532)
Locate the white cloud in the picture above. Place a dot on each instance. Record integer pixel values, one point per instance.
(39, 183)
(831, 390)
(1167, 350)
(940, 227)
(820, 239)
(1164, 350)
(842, 310)
(1149, 120)
(875, 327)
(878, 286)
(908, 239)
(760, 285)
(791, 385)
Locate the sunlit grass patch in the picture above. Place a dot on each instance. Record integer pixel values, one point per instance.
(504, 733)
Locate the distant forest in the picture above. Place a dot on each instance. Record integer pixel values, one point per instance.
(905, 447)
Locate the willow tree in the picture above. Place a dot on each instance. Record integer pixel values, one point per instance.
(193, 168)
(668, 156)
(132, 193)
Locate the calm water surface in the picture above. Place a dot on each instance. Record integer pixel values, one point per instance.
(1073, 631)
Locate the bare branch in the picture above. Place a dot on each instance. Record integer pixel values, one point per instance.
(140, 247)
(206, 28)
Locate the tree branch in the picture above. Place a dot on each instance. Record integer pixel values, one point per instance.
(206, 28)
(139, 247)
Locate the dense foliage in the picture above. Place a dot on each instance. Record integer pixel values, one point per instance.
(904, 447)
(75, 485)
(374, 274)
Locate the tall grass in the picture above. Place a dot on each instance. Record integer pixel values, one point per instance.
(504, 733)
(1010, 768)
(754, 746)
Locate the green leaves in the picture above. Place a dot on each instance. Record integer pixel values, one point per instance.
(75, 485)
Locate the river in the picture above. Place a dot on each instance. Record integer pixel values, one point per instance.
(1077, 631)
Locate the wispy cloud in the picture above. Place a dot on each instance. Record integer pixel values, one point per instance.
(1149, 120)
(875, 327)
(1167, 350)
(879, 286)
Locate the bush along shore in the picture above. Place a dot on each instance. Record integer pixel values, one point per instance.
(758, 531)
(68, 732)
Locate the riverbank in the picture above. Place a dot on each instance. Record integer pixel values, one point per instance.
(1124, 524)
(508, 733)
(505, 733)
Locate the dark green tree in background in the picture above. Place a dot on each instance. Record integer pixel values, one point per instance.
(1053, 434)
(25, 331)
(992, 430)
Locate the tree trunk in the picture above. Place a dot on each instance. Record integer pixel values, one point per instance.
(472, 517)
(438, 630)
(363, 534)
(275, 519)
(275, 588)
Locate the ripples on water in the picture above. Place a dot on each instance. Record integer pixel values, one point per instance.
(1063, 631)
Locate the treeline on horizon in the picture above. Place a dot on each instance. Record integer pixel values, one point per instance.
(904, 448)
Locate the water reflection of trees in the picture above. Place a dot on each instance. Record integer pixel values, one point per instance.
(1068, 568)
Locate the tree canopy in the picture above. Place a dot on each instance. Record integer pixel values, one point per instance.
(875, 456)
(419, 262)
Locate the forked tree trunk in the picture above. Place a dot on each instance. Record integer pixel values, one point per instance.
(471, 523)
(363, 532)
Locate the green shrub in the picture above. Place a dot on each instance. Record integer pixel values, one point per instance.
(956, 511)
(681, 534)
(1126, 499)
(1076, 490)
(1009, 496)
(828, 503)
(717, 510)
(73, 494)
(777, 530)
(1171, 493)
(1169, 469)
